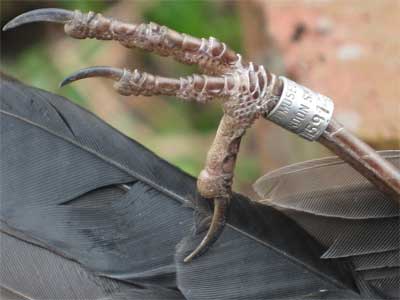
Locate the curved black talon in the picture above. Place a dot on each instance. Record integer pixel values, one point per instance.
(215, 230)
(56, 15)
(108, 72)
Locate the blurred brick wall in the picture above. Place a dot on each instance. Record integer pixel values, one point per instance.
(348, 50)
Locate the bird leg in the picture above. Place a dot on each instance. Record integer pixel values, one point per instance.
(246, 91)
(362, 158)
(240, 93)
(215, 180)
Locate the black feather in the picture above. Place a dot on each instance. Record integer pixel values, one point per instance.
(10, 295)
(96, 203)
(344, 212)
(42, 274)
(261, 260)
(387, 287)
(54, 167)
(380, 273)
(377, 260)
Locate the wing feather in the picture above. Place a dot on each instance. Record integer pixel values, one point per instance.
(344, 212)
(93, 200)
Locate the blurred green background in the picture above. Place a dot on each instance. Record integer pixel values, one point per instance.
(41, 55)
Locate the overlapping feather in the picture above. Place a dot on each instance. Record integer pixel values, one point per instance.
(82, 201)
(345, 213)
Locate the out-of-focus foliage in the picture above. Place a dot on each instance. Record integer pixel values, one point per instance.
(33, 66)
(97, 5)
(33, 62)
(200, 18)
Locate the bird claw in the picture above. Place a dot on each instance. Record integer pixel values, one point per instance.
(214, 231)
(107, 72)
(55, 15)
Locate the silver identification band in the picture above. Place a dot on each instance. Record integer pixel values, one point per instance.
(302, 111)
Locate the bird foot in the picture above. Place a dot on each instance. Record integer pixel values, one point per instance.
(244, 89)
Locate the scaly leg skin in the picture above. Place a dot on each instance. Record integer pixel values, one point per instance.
(246, 91)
